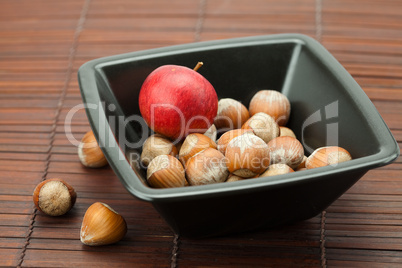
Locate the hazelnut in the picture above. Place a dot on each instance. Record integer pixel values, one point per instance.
(285, 131)
(102, 226)
(156, 145)
(233, 177)
(231, 115)
(54, 197)
(206, 167)
(273, 103)
(193, 144)
(286, 150)
(263, 126)
(227, 137)
(277, 169)
(165, 171)
(247, 155)
(89, 152)
(325, 156)
(211, 133)
(302, 164)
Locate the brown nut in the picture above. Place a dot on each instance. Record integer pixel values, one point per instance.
(102, 226)
(206, 167)
(263, 126)
(165, 171)
(156, 145)
(89, 152)
(247, 155)
(286, 150)
(302, 164)
(194, 143)
(211, 133)
(231, 115)
(233, 177)
(54, 197)
(285, 131)
(226, 137)
(273, 103)
(277, 169)
(327, 156)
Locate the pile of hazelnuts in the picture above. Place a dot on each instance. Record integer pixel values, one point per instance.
(253, 143)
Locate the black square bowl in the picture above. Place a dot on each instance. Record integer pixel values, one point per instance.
(328, 108)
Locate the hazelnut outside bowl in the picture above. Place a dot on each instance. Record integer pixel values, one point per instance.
(323, 97)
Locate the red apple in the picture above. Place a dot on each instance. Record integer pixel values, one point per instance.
(176, 101)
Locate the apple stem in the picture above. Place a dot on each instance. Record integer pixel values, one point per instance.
(198, 66)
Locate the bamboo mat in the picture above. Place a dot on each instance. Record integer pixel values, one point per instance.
(42, 44)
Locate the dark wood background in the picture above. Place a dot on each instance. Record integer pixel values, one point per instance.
(42, 44)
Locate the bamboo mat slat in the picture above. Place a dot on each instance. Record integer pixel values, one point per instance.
(44, 42)
(362, 226)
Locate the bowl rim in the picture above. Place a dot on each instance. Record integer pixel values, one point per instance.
(389, 149)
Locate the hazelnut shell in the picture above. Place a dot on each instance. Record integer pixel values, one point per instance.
(263, 126)
(193, 144)
(165, 171)
(233, 177)
(326, 156)
(277, 169)
(102, 225)
(206, 167)
(89, 152)
(54, 197)
(226, 137)
(286, 150)
(211, 132)
(231, 114)
(271, 102)
(156, 145)
(285, 131)
(247, 155)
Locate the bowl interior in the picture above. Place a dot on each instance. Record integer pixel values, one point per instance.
(323, 110)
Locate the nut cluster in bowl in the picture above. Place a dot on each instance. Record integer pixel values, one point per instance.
(252, 143)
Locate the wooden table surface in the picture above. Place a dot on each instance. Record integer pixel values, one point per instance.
(42, 44)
